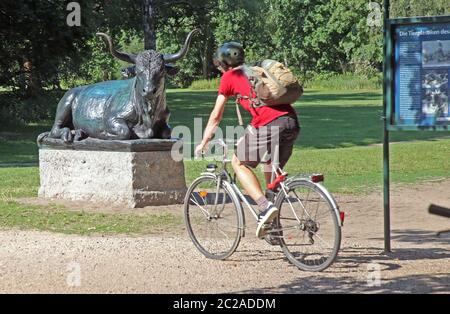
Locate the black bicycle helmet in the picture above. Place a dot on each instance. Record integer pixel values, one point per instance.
(230, 54)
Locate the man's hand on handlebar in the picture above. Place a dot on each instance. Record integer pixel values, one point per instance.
(200, 149)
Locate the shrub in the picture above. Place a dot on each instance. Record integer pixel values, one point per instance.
(346, 81)
(326, 80)
(15, 109)
(212, 84)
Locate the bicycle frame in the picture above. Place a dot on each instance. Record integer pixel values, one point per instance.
(276, 172)
(278, 177)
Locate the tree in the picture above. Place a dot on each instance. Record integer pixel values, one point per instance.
(29, 36)
(36, 33)
(174, 22)
(408, 8)
(149, 19)
(39, 50)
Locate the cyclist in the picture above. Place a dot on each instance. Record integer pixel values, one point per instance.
(270, 127)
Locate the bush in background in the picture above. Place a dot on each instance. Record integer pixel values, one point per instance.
(331, 81)
(212, 84)
(16, 110)
(346, 81)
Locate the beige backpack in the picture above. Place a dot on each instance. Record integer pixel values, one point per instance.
(273, 83)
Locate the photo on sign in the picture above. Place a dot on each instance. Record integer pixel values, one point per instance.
(435, 93)
(436, 53)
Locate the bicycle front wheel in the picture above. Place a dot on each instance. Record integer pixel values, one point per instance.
(213, 217)
(307, 226)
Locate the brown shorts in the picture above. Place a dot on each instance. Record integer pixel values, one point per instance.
(278, 135)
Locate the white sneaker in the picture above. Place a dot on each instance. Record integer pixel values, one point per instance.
(266, 216)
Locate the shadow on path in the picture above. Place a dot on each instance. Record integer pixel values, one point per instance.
(350, 274)
(417, 236)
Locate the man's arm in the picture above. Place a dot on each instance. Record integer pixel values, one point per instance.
(213, 122)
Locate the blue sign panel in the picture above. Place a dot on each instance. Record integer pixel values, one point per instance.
(421, 75)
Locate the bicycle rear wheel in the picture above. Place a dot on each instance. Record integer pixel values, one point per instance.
(307, 226)
(213, 219)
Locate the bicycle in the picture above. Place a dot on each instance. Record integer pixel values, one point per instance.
(215, 219)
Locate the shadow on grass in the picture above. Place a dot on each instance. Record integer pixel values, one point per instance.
(328, 120)
(317, 95)
(19, 165)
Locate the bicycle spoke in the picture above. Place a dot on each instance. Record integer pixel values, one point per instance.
(317, 210)
(223, 232)
(205, 212)
(310, 244)
(323, 241)
(212, 226)
(292, 207)
(301, 203)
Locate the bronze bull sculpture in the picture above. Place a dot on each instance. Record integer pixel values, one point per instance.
(120, 110)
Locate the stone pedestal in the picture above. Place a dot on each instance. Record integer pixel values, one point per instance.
(134, 173)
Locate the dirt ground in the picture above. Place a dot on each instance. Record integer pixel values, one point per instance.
(33, 261)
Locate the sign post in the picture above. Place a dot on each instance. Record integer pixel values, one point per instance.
(416, 72)
(386, 86)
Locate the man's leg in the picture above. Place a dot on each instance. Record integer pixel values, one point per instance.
(249, 150)
(267, 169)
(250, 183)
(247, 178)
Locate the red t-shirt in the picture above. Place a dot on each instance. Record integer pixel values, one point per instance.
(235, 82)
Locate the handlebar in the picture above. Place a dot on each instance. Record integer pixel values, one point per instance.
(224, 144)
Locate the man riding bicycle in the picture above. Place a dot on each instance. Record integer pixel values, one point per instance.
(271, 128)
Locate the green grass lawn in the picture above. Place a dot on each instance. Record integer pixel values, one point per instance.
(329, 119)
(359, 169)
(24, 182)
(339, 134)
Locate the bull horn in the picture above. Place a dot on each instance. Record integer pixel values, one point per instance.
(180, 54)
(127, 57)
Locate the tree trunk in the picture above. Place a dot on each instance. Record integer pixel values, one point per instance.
(149, 24)
(207, 55)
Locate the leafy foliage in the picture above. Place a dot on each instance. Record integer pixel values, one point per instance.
(205, 84)
(39, 51)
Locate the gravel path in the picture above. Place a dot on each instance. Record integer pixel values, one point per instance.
(33, 261)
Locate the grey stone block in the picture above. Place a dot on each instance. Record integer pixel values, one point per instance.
(129, 178)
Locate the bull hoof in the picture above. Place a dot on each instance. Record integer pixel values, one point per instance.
(41, 137)
(67, 135)
(80, 135)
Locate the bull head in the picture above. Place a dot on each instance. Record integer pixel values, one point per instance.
(151, 66)
(149, 97)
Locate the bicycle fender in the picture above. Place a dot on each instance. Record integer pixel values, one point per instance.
(208, 174)
(333, 201)
(326, 192)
